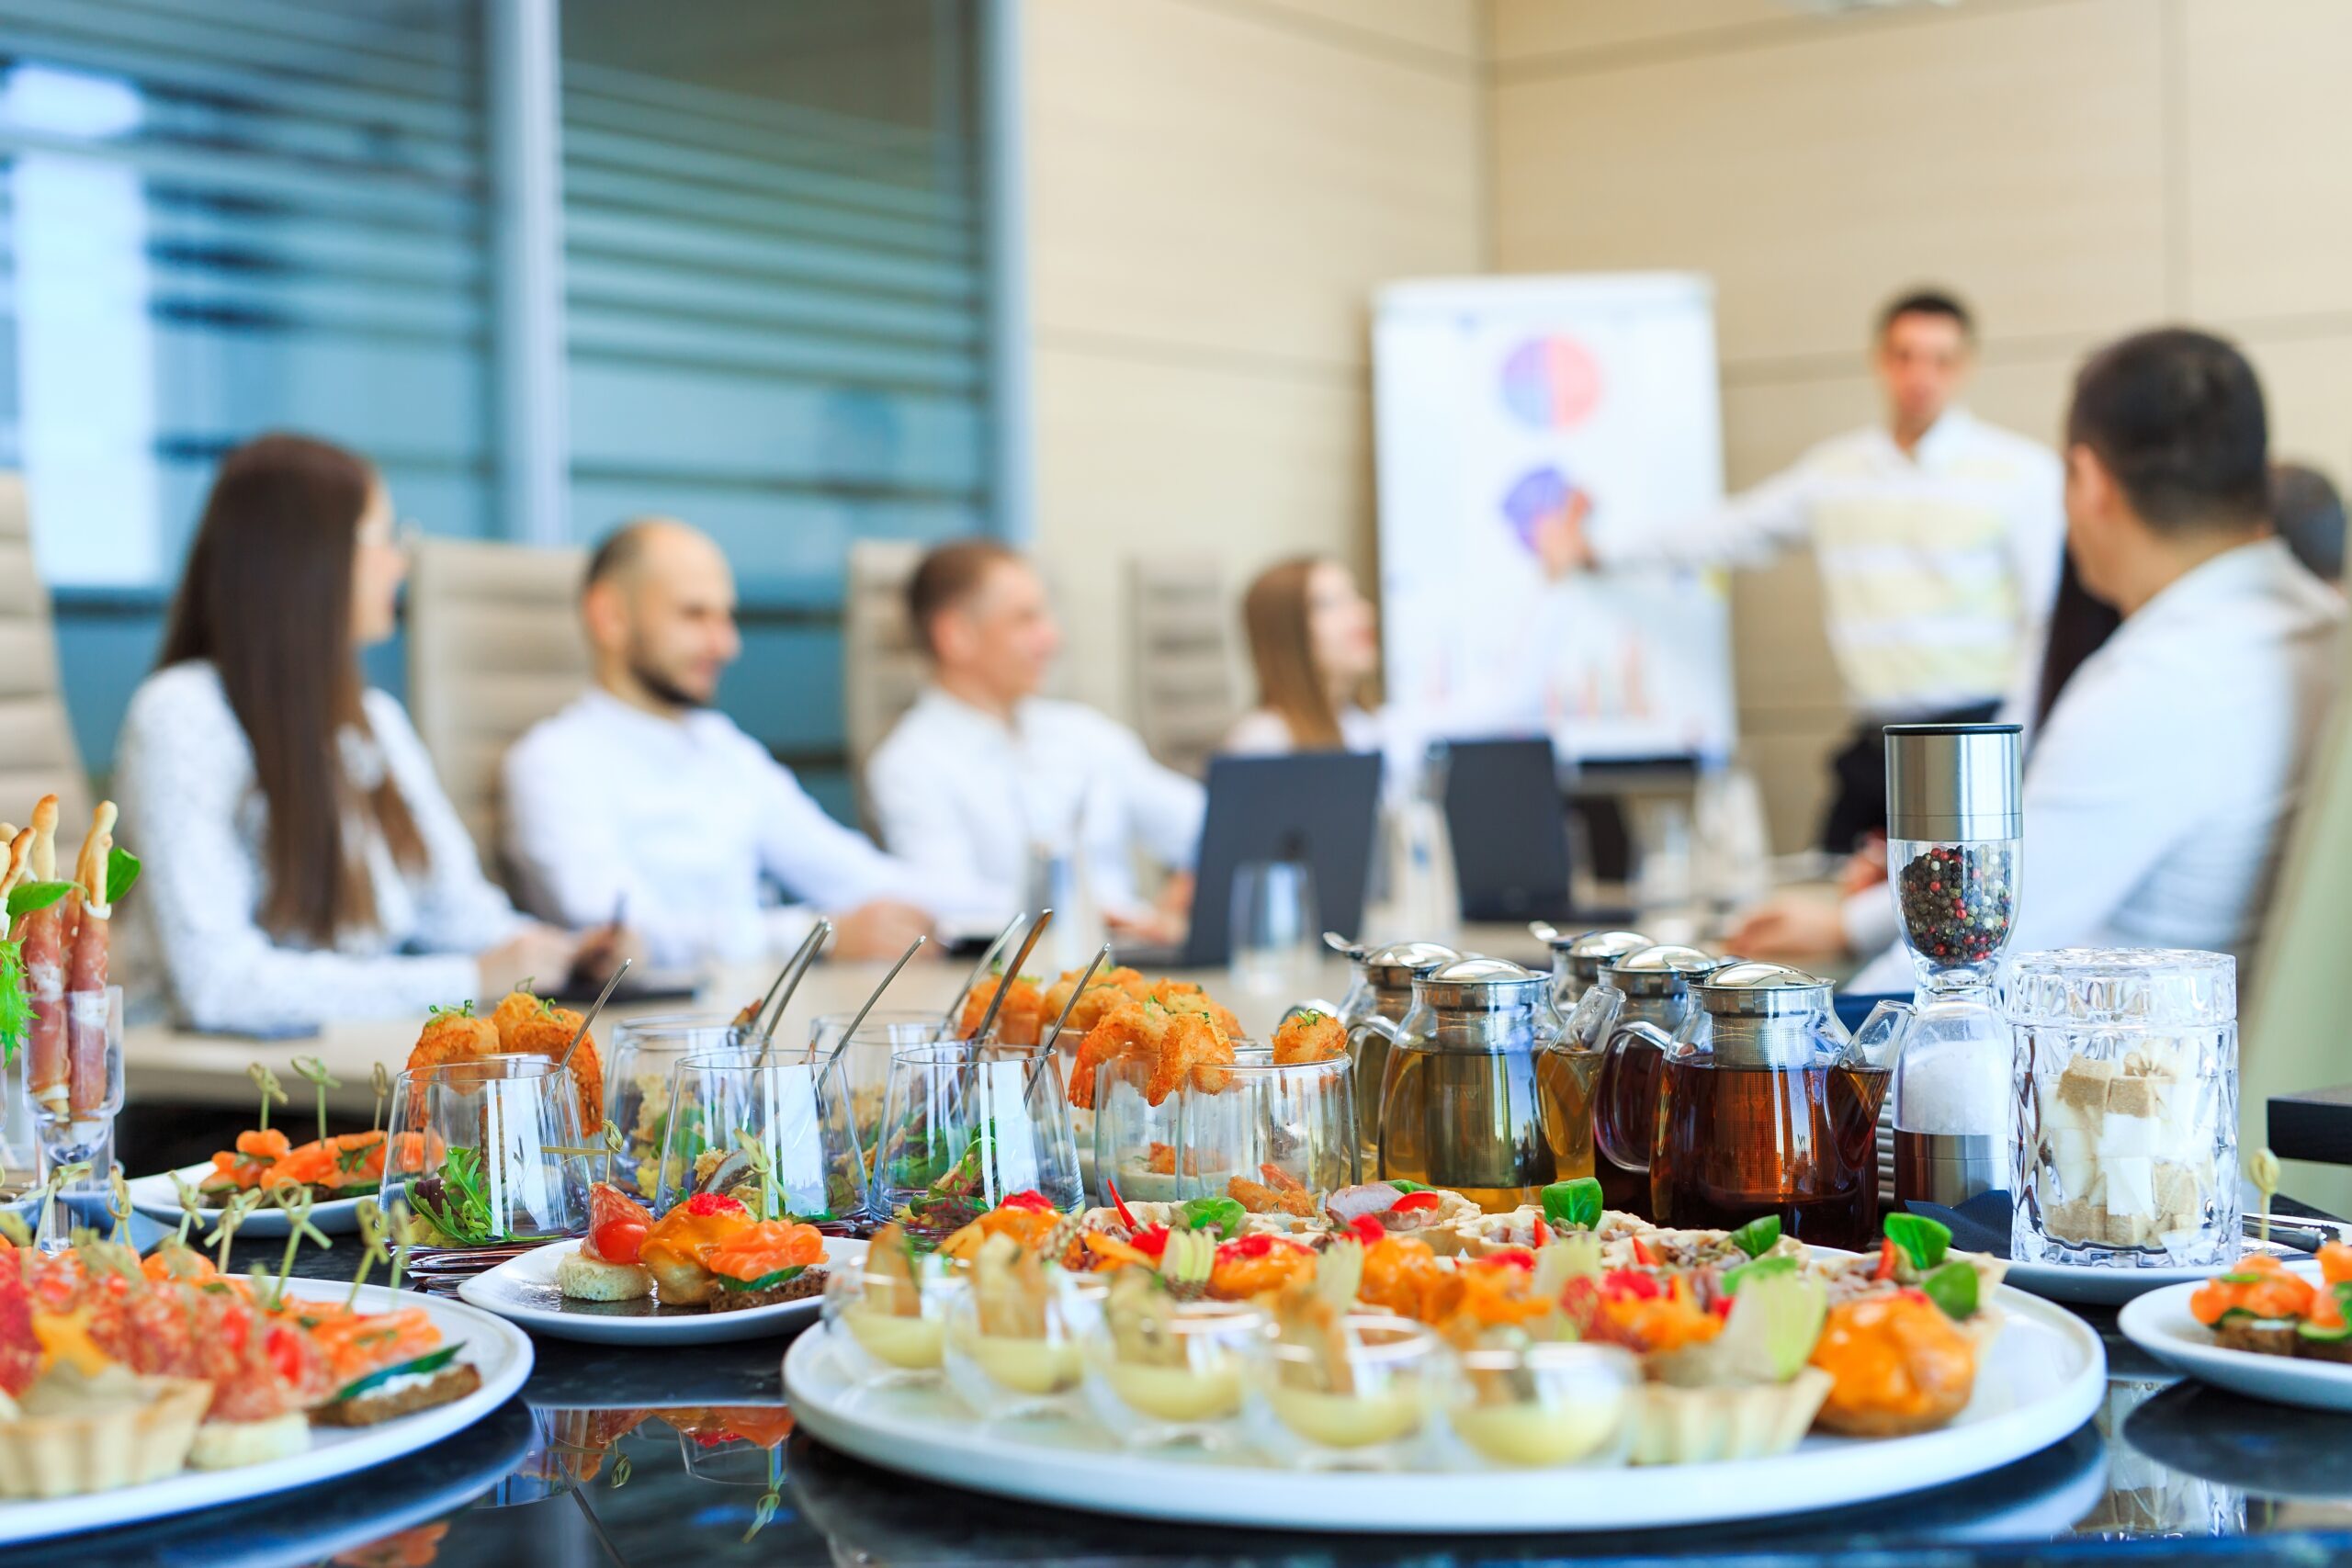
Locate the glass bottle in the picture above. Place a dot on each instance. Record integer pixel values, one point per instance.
(1460, 1107)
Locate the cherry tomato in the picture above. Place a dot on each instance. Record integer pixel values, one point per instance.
(617, 1240)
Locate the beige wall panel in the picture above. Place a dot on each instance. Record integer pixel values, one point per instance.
(2013, 153)
(1791, 770)
(1135, 455)
(1535, 28)
(2307, 386)
(1198, 177)
(2268, 144)
(1449, 27)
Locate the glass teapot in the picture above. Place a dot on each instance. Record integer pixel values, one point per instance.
(1626, 1023)
(1578, 961)
(1379, 996)
(1768, 1106)
(1459, 1106)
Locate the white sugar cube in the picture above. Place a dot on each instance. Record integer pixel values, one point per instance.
(2126, 1137)
(2074, 1155)
(2130, 1187)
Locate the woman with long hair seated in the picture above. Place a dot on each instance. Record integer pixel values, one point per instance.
(1312, 644)
(303, 863)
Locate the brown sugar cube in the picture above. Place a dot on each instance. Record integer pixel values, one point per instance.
(2126, 1230)
(2131, 1096)
(2083, 1086)
(2073, 1219)
(2180, 1196)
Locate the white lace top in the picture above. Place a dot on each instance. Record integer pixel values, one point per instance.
(184, 776)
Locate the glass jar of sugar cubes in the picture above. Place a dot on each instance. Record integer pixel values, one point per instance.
(2127, 1085)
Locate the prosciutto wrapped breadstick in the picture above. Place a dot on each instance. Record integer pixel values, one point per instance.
(86, 1014)
(41, 933)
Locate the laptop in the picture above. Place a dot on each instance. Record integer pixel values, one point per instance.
(1318, 807)
(1508, 818)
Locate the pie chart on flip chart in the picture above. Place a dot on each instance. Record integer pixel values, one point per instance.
(1551, 383)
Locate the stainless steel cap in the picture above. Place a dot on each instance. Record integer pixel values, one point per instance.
(1660, 969)
(1952, 781)
(1763, 990)
(1475, 983)
(1393, 966)
(1583, 956)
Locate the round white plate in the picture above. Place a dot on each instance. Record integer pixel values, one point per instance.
(2043, 1378)
(522, 1290)
(2091, 1285)
(2159, 1323)
(501, 1352)
(156, 1196)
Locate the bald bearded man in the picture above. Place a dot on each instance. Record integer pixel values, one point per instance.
(642, 792)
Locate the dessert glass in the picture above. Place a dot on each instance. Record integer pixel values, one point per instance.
(1179, 1383)
(883, 1339)
(2127, 1107)
(1540, 1404)
(1368, 1413)
(1026, 1363)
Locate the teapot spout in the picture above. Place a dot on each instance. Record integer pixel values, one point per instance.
(1880, 1038)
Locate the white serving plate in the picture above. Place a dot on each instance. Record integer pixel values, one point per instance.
(522, 1290)
(2159, 1323)
(501, 1352)
(2098, 1284)
(2043, 1378)
(156, 1196)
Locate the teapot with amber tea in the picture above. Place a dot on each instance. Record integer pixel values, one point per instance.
(1767, 1106)
(1460, 1107)
(1379, 996)
(1631, 1018)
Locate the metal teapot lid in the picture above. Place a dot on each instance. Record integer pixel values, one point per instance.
(1761, 990)
(1477, 983)
(1394, 967)
(1586, 953)
(1660, 969)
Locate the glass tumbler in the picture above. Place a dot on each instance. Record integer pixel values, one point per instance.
(777, 1136)
(864, 1061)
(488, 1151)
(962, 1128)
(646, 1053)
(1274, 929)
(1369, 1413)
(1175, 1378)
(1277, 1137)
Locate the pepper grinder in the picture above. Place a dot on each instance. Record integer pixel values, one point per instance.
(1954, 819)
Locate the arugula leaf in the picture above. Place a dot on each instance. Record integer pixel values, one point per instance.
(1223, 1215)
(16, 1005)
(1923, 1240)
(431, 1362)
(1575, 1204)
(767, 1282)
(1757, 1237)
(462, 1212)
(27, 897)
(1952, 1288)
(1762, 1269)
(122, 870)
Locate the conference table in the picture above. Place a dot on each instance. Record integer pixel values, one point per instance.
(2166, 1471)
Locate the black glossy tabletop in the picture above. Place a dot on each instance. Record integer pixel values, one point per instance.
(615, 1456)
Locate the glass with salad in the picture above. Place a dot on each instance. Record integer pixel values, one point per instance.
(962, 1128)
(776, 1136)
(488, 1151)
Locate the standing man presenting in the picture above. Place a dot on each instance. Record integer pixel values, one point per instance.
(641, 794)
(1937, 538)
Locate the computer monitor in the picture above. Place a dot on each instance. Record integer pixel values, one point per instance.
(1509, 822)
(1321, 807)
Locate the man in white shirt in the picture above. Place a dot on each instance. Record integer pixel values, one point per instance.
(982, 770)
(2159, 793)
(641, 794)
(1937, 539)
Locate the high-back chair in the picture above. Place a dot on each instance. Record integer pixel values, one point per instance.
(37, 755)
(1182, 653)
(494, 646)
(882, 670)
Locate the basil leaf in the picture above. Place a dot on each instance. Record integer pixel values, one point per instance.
(1923, 1240)
(30, 895)
(1757, 1237)
(122, 870)
(1223, 1215)
(1573, 1204)
(1762, 1269)
(431, 1362)
(1952, 1288)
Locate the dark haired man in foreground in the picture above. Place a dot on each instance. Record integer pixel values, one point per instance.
(1937, 535)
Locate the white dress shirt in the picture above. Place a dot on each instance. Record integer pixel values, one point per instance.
(1264, 732)
(2159, 797)
(1938, 567)
(184, 772)
(682, 818)
(964, 796)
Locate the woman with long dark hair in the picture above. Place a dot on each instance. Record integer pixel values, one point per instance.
(303, 863)
(1313, 646)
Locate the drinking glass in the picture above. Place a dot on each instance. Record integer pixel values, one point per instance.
(1373, 1421)
(883, 1333)
(1289, 1130)
(1010, 1358)
(964, 1127)
(646, 1051)
(489, 1151)
(864, 1059)
(77, 1096)
(1275, 930)
(775, 1134)
(1178, 1381)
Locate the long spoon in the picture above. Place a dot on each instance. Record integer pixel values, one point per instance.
(988, 955)
(842, 1045)
(602, 997)
(787, 976)
(1011, 973)
(1101, 957)
(802, 962)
